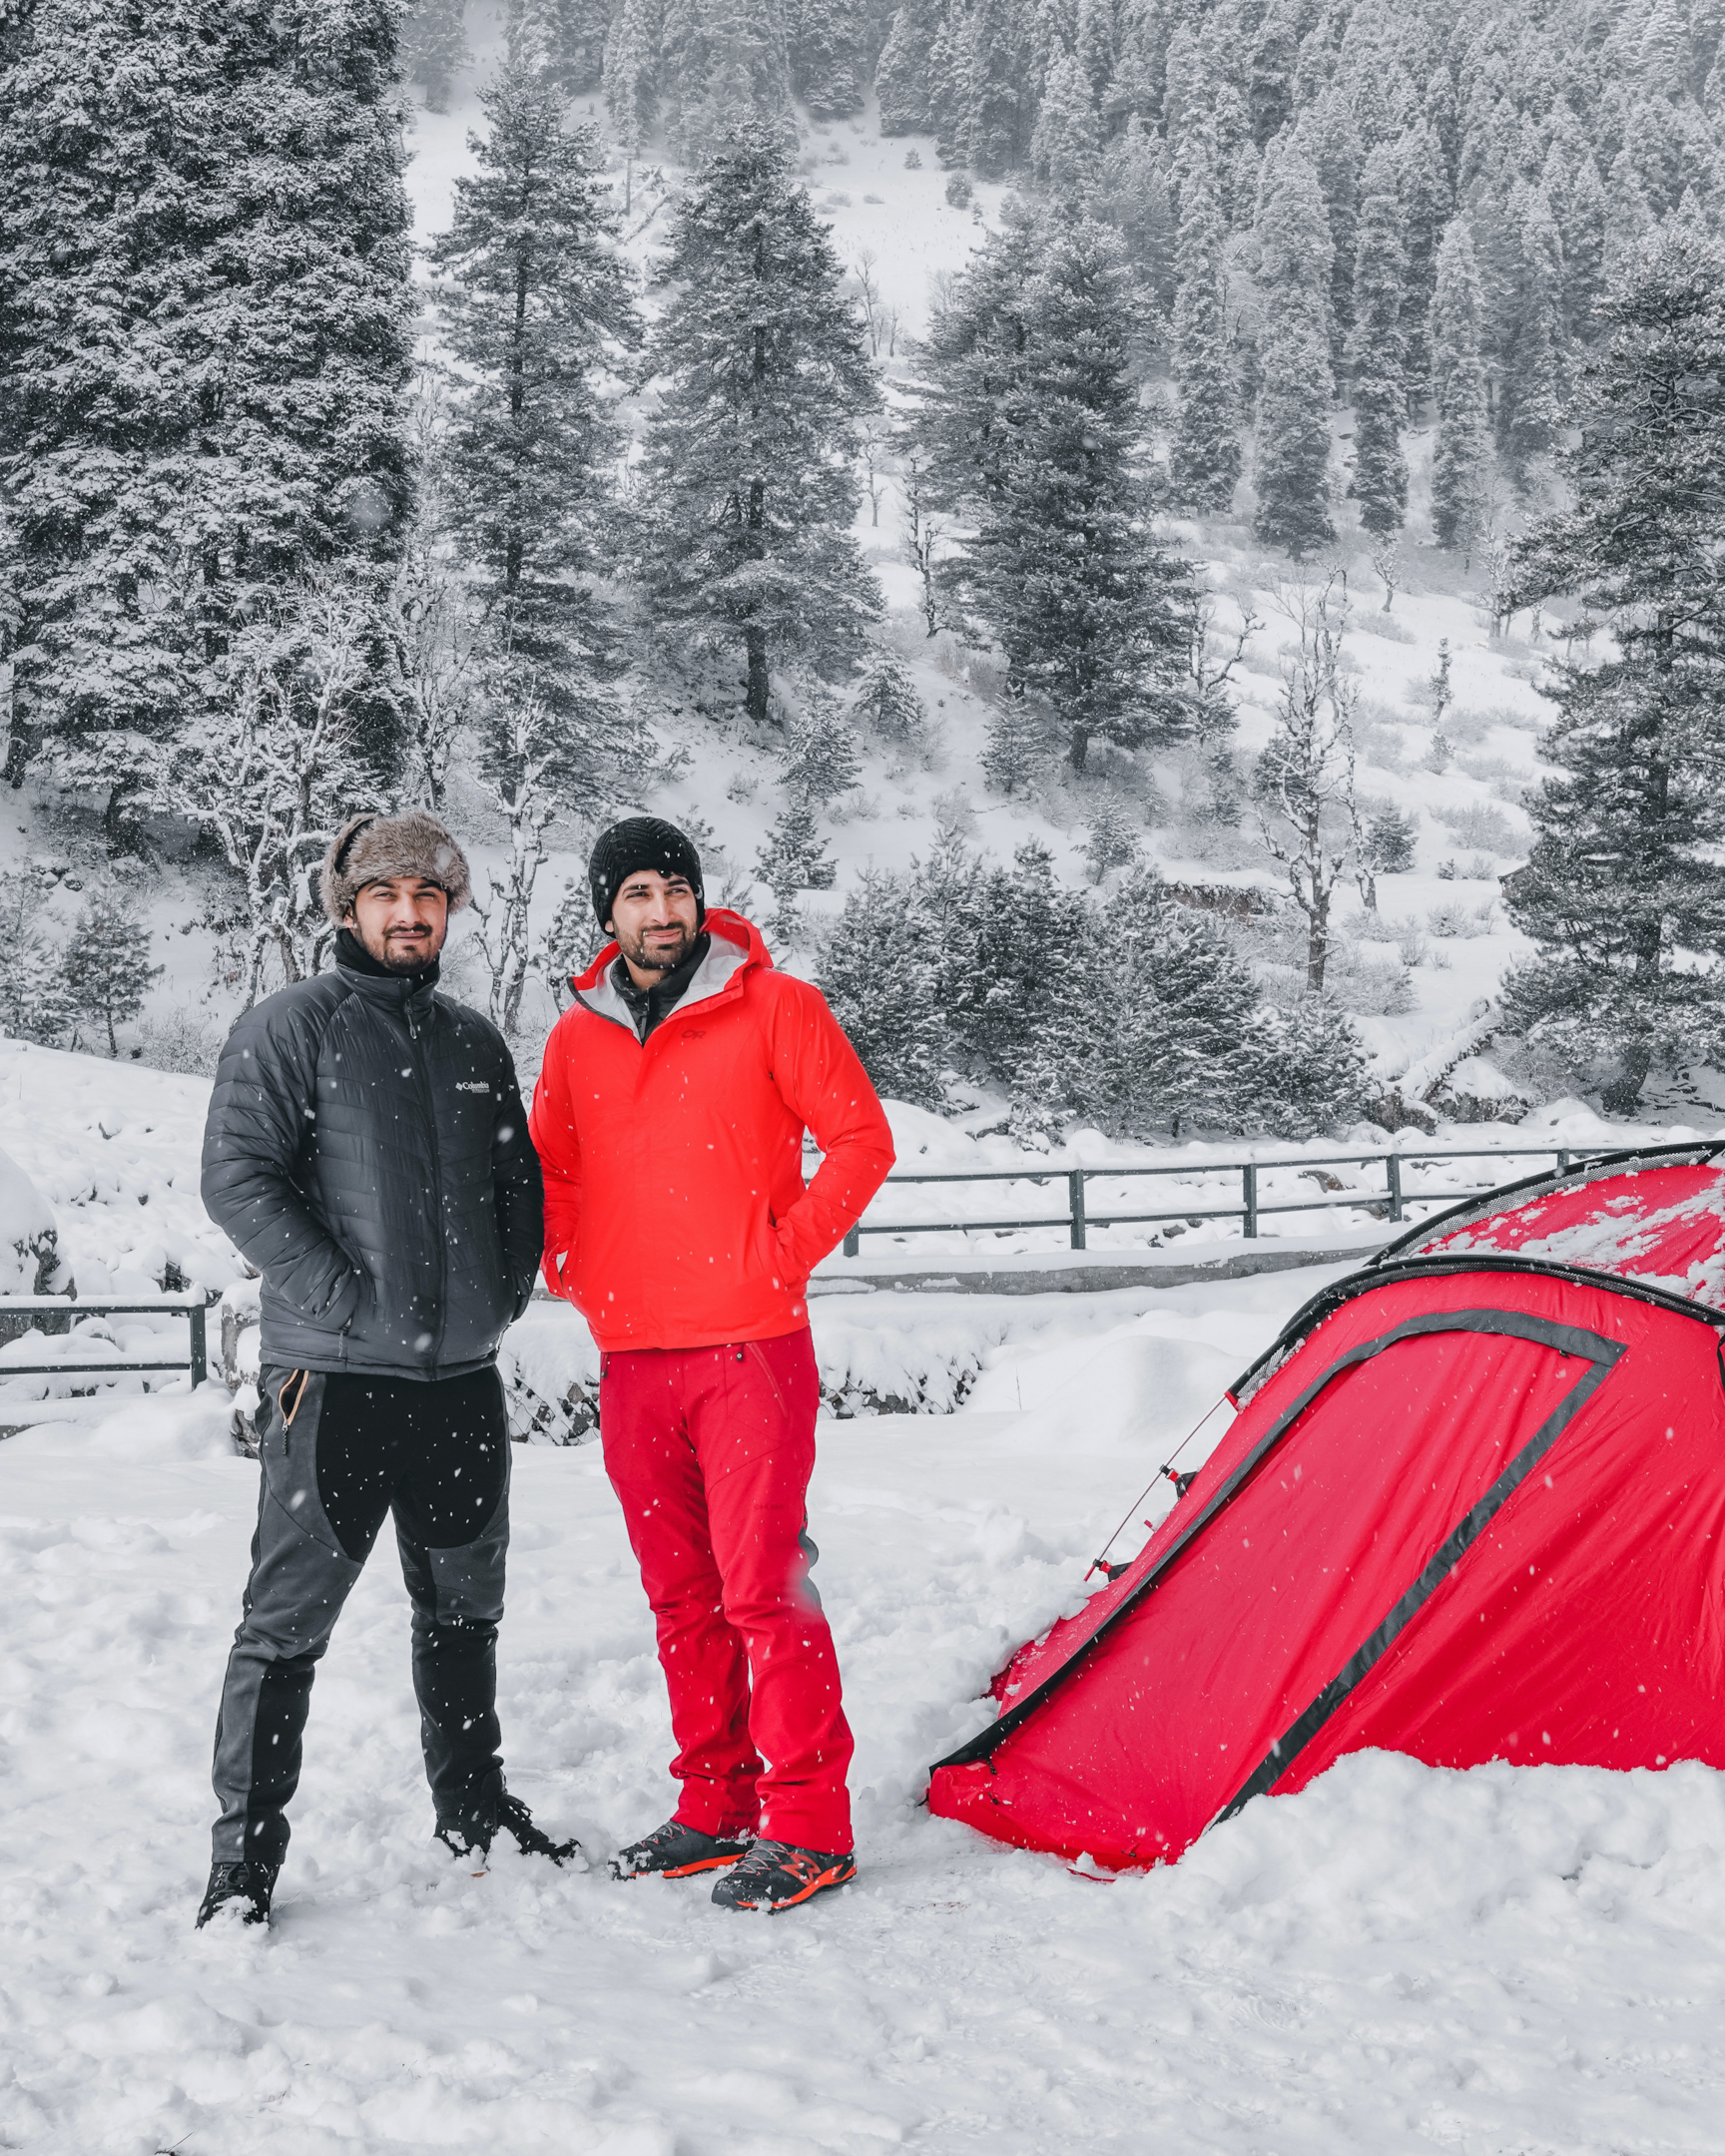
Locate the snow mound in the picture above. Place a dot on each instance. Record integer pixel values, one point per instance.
(27, 1233)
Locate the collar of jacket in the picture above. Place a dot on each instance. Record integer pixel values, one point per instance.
(735, 948)
(650, 1007)
(411, 993)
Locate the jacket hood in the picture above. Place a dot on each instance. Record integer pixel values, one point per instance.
(720, 923)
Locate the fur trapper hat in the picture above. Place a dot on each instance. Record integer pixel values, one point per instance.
(375, 848)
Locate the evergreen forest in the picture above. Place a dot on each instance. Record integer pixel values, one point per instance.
(631, 482)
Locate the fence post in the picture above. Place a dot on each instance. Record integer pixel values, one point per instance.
(200, 1346)
(853, 1242)
(1562, 1159)
(1392, 1167)
(1249, 1191)
(1075, 1184)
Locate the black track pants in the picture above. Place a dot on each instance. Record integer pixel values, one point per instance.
(356, 1449)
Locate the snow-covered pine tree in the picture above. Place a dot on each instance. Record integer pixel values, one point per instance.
(887, 701)
(1093, 43)
(747, 480)
(1582, 229)
(724, 64)
(1628, 217)
(202, 366)
(1021, 1014)
(793, 858)
(1067, 141)
(1292, 451)
(1624, 877)
(1112, 836)
(1388, 841)
(1174, 1009)
(1132, 195)
(905, 75)
(1327, 133)
(1275, 57)
(36, 999)
(1019, 743)
(1311, 1068)
(1425, 198)
(1378, 349)
(879, 974)
(992, 108)
(536, 304)
(570, 943)
(1032, 431)
(566, 36)
(1460, 460)
(632, 70)
(828, 67)
(434, 47)
(1530, 398)
(822, 759)
(108, 965)
(1204, 450)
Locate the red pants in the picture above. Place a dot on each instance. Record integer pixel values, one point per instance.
(710, 1451)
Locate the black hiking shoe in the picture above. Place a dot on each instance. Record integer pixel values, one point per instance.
(777, 1875)
(250, 1885)
(474, 1837)
(674, 1852)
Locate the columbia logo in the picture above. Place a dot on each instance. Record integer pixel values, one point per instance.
(471, 1085)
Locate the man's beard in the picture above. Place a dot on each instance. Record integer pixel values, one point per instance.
(396, 957)
(662, 960)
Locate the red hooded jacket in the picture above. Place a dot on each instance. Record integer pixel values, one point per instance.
(676, 1214)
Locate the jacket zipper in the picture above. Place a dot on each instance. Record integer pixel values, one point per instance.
(422, 1078)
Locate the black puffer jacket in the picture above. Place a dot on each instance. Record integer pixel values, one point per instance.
(367, 1151)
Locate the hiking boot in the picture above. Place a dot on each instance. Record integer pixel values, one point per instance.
(250, 1885)
(673, 1851)
(473, 1837)
(777, 1875)
(531, 1840)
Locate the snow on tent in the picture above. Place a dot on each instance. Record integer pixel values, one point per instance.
(1471, 1507)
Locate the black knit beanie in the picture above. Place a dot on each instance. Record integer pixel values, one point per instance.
(638, 843)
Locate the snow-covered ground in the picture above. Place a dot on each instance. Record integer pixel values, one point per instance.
(1398, 1960)
(1508, 1960)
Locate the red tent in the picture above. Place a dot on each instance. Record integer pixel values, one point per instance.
(1472, 1507)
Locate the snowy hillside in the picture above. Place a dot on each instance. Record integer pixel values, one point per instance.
(1449, 936)
(1414, 973)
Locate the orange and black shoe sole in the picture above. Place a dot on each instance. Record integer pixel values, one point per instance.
(838, 1875)
(684, 1871)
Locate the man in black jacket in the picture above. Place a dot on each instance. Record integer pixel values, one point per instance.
(367, 1152)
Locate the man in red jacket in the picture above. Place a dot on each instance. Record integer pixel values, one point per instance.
(669, 1120)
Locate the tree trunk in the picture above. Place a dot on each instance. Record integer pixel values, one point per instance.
(1624, 1091)
(1078, 752)
(1317, 946)
(17, 752)
(754, 704)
